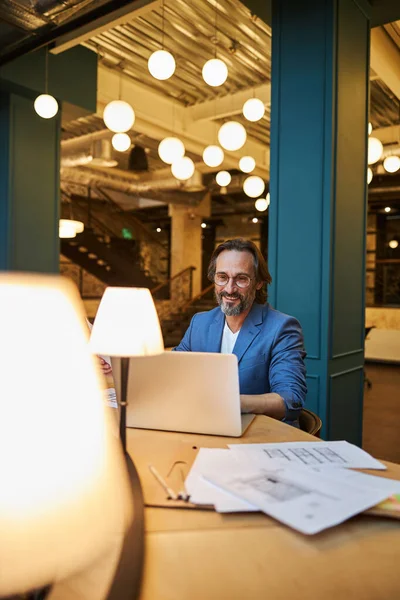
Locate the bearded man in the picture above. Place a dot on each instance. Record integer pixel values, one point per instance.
(268, 344)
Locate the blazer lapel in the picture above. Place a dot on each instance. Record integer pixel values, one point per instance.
(214, 337)
(249, 330)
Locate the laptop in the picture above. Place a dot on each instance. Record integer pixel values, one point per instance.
(193, 392)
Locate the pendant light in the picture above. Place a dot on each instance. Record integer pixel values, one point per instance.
(215, 71)
(375, 150)
(232, 135)
(161, 63)
(262, 203)
(69, 228)
(171, 149)
(223, 178)
(253, 109)
(213, 156)
(370, 175)
(121, 142)
(391, 164)
(119, 115)
(247, 164)
(183, 168)
(45, 105)
(253, 186)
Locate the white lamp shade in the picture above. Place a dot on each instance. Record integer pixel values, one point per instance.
(213, 156)
(215, 72)
(247, 164)
(62, 496)
(369, 128)
(161, 65)
(171, 149)
(183, 168)
(77, 225)
(223, 178)
(232, 135)
(261, 204)
(391, 164)
(121, 142)
(126, 324)
(253, 109)
(66, 231)
(46, 106)
(375, 150)
(119, 116)
(370, 175)
(253, 186)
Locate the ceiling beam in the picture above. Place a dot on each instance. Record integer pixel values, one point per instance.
(160, 116)
(388, 135)
(385, 59)
(230, 105)
(119, 16)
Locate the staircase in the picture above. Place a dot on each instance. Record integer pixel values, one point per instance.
(174, 327)
(113, 260)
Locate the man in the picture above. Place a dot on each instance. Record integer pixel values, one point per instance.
(268, 344)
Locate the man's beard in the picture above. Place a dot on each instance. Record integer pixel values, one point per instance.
(233, 311)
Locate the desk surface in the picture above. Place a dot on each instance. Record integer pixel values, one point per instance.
(199, 554)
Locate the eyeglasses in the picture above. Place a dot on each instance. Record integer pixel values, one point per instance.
(241, 281)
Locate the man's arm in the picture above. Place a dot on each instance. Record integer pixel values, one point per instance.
(185, 343)
(271, 405)
(287, 377)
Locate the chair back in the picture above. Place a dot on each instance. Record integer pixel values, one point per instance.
(310, 422)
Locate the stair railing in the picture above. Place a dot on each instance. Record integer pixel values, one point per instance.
(181, 288)
(203, 293)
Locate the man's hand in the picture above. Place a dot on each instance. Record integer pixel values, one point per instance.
(105, 367)
(271, 405)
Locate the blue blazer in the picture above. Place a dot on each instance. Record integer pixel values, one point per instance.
(269, 349)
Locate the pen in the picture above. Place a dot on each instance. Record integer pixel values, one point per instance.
(163, 483)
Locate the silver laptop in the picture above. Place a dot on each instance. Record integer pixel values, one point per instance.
(194, 392)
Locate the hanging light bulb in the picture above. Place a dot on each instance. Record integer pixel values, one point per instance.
(253, 109)
(232, 135)
(393, 244)
(253, 186)
(46, 106)
(213, 156)
(215, 72)
(121, 142)
(66, 231)
(262, 203)
(391, 164)
(369, 175)
(183, 168)
(375, 150)
(119, 116)
(223, 178)
(247, 164)
(171, 149)
(369, 128)
(69, 225)
(161, 65)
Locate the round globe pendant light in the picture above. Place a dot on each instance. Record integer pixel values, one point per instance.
(393, 244)
(215, 72)
(121, 142)
(391, 164)
(253, 186)
(262, 203)
(223, 178)
(375, 150)
(369, 175)
(46, 106)
(213, 156)
(161, 65)
(247, 164)
(171, 149)
(119, 116)
(183, 168)
(369, 128)
(253, 109)
(232, 135)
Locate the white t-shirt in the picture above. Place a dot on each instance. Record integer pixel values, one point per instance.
(228, 340)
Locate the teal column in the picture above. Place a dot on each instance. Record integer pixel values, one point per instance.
(30, 154)
(29, 187)
(317, 220)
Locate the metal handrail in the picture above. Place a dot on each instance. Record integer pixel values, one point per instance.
(164, 283)
(193, 300)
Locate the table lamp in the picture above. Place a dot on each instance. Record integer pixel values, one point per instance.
(64, 488)
(126, 325)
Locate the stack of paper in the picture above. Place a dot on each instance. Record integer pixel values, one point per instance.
(301, 484)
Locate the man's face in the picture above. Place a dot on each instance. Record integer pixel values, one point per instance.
(236, 265)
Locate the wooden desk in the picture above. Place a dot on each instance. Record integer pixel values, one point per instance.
(202, 555)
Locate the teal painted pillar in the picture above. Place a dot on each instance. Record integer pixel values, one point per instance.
(29, 154)
(29, 187)
(317, 220)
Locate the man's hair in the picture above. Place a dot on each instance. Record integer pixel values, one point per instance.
(260, 264)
